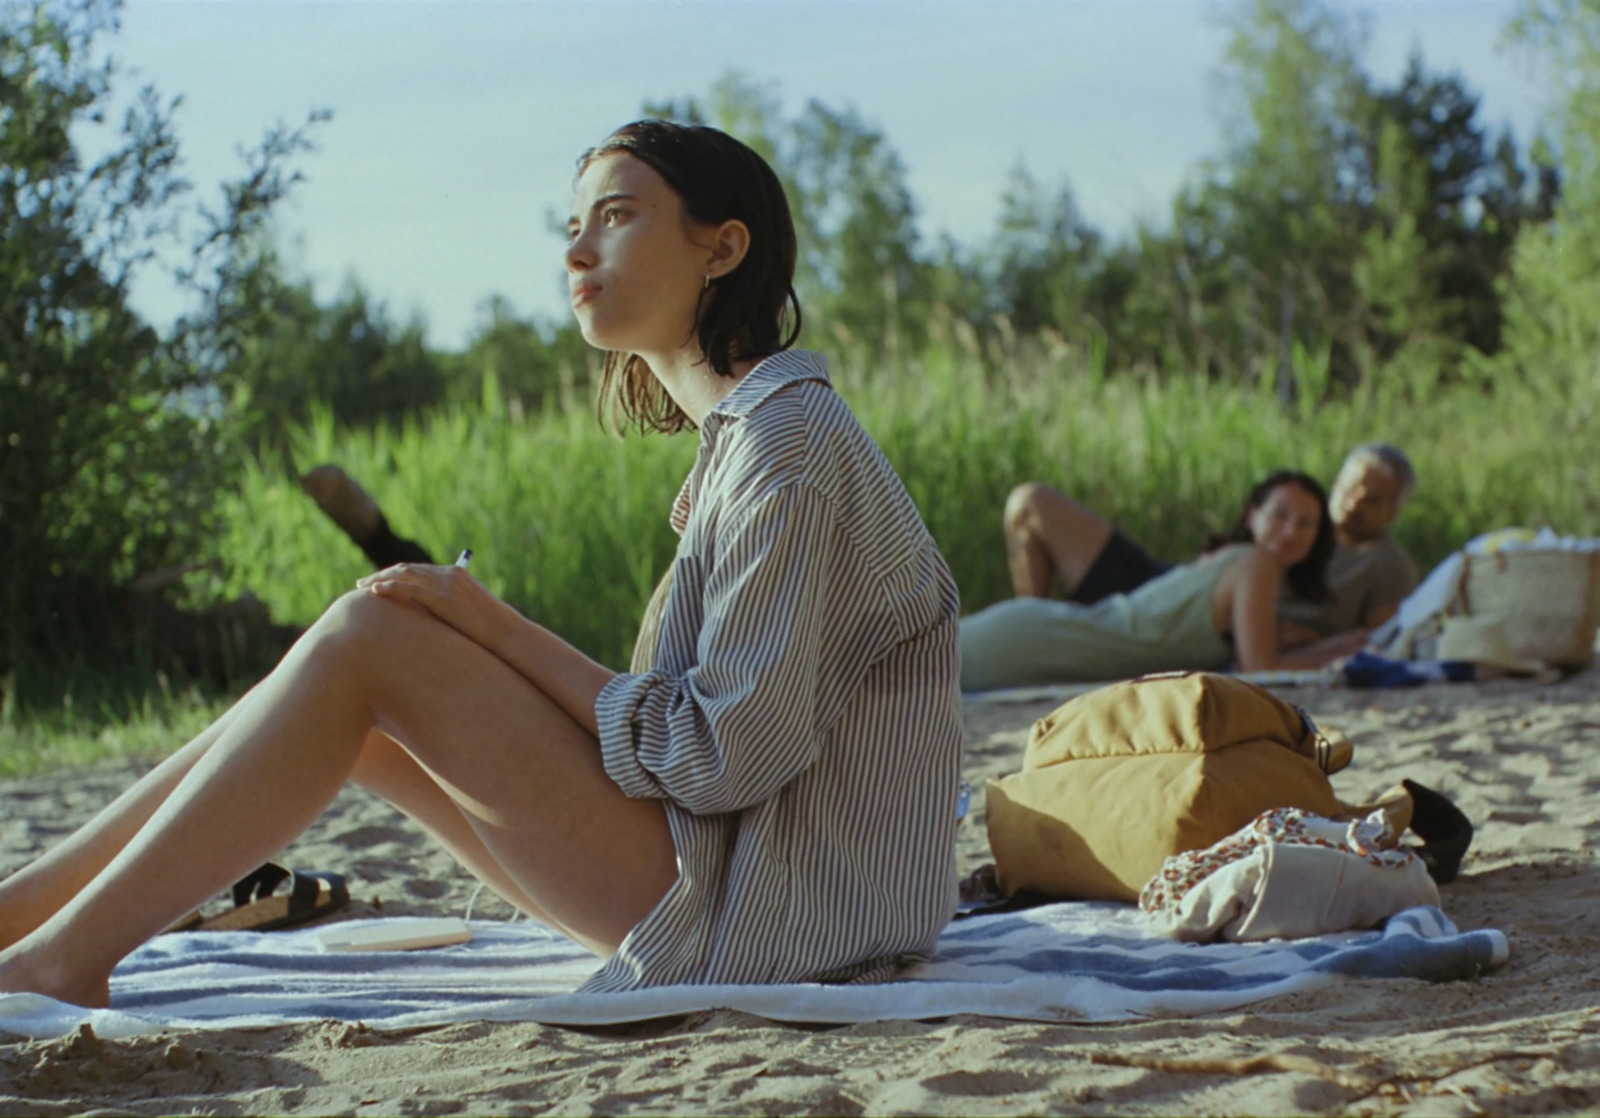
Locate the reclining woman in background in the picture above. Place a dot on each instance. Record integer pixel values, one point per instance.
(1054, 541)
(1219, 611)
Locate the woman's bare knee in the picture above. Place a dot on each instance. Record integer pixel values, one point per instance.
(359, 626)
(1042, 511)
(354, 615)
(1022, 507)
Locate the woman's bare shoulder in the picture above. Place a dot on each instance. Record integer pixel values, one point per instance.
(1227, 553)
(1248, 565)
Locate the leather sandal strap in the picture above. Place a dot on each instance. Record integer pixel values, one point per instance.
(306, 891)
(259, 883)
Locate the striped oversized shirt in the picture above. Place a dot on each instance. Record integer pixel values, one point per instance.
(801, 723)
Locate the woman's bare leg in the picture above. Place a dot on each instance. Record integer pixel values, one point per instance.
(1050, 538)
(526, 779)
(33, 894)
(386, 769)
(36, 892)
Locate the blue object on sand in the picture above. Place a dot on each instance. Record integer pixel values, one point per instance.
(1367, 669)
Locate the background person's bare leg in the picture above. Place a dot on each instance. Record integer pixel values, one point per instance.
(358, 516)
(1050, 539)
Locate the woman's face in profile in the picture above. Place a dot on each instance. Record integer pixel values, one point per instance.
(1286, 523)
(633, 271)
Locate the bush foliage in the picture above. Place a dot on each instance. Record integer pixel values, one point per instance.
(569, 523)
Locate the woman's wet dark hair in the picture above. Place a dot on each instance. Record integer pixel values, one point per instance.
(749, 313)
(1308, 579)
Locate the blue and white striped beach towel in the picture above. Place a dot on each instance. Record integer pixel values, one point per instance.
(1061, 962)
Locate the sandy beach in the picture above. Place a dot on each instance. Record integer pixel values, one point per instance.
(1521, 759)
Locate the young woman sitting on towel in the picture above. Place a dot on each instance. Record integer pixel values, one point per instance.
(772, 801)
(1216, 612)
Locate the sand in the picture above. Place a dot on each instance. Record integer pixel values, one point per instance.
(1522, 759)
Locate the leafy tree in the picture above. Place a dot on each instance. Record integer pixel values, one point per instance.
(1264, 241)
(1445, 202)
(1397, 274)
(1552, 295)
(1345, 219)
(1045, 256)
(535, 363)
(861, 269)
(111, 443)
(346, 356)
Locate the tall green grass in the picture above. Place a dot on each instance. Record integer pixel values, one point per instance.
(565, 521)
(97, 717)
(570, 523)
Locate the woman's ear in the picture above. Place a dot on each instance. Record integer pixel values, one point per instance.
(728, 247)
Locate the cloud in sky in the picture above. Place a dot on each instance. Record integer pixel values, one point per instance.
(456, 125)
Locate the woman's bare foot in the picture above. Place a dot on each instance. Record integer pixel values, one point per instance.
(30, 970)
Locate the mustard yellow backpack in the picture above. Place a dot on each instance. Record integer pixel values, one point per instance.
(1115, 781)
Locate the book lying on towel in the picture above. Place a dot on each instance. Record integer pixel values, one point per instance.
(402, 934)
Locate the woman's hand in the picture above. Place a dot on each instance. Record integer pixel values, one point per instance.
(449, 593)
(564, 674)
(1292, 634)
(1329, 650)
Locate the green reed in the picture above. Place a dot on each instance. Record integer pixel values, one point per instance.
(98, 716)
(569, 523)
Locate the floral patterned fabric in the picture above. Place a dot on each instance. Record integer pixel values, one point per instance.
(1372, 839)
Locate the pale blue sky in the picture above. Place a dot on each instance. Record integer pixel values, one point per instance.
(456, 124)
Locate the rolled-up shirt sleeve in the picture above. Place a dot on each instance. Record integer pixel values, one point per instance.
(732, 730)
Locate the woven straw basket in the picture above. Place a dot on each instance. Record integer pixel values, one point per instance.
(1547, 601)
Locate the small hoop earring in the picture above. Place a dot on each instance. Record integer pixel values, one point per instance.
(706, 286)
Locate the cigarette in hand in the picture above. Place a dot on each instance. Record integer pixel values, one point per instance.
(464, 558)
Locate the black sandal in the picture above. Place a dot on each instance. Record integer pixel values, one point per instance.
(259, 907)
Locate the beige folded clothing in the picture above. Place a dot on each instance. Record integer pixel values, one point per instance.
(1288, 874)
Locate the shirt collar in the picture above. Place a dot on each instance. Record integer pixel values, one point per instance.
(769, 375)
